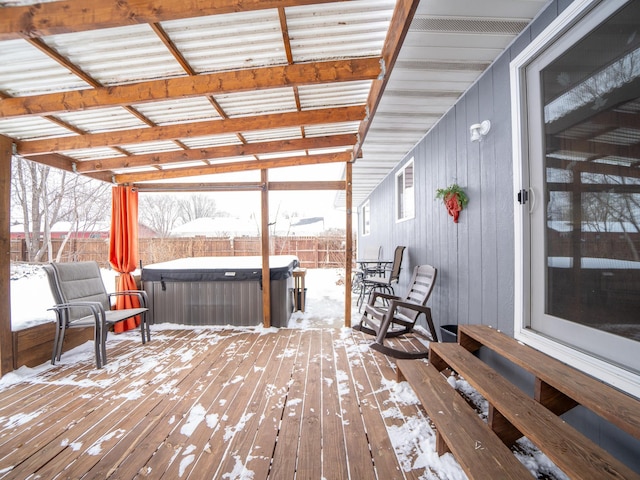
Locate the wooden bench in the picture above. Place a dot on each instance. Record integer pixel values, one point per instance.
(459, 429)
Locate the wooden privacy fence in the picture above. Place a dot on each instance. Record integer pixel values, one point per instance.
(313, 252)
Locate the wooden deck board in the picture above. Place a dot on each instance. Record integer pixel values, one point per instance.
(208, 438)
(333, 435)
(275, 396)
(100, 422)
(208, 403)
(309, 462)
(358, 450)
(286, 449)
(369, 382)
(148, 431)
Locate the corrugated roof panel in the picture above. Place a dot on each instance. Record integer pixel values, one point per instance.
(211, 141)
(331, 129)
(320, 151)
(102, 120)
(31, 128)
(275, 134)
(315, 151)
(273, 100)
(334, 94)
(194, 163)
(28, 71)
(152, 147)
(231, 41)
(270, 156)
(241, 158)
(338, 30)
(118, 55)
(93, 153)
(17, 3)
(178, 111)
(173, 166)
(119, 171)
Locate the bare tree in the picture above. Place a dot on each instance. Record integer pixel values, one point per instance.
(40, 208)
(196, 206)
(87, 206)
(159, 212)
(44, 196)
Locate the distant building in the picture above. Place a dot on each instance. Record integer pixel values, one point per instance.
(99, 230)
(237, 227)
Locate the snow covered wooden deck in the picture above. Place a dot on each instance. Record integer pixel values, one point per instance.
(207, 403)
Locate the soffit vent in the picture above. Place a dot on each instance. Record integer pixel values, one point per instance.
(405, 93)
(441, 66)
(422, 23)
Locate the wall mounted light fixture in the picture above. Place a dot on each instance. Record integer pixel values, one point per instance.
(479, 130)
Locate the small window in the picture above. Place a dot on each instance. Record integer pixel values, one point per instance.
(405, 202)
(366, 219)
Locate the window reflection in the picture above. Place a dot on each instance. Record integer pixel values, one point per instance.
(592, 178)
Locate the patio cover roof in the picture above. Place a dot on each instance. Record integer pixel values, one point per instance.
(144, 92)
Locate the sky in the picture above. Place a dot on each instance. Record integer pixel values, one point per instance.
(413, 442)
(315, 203)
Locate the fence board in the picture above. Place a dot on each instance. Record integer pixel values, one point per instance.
(313, 252)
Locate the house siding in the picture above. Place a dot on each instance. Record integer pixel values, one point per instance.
(475, 257)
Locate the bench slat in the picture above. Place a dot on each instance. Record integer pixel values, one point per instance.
(479, 451)
(616, 407)
(571, 451)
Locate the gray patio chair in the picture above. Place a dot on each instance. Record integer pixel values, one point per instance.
(398, 315)
(82, 301)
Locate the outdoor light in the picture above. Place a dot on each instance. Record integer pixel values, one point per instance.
(479, 130)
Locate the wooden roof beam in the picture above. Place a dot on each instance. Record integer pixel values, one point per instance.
(258, 148)
(72, 16)
(193, 86)
(239, 186)
(308, 185)
(63, 162)
(229, 167)
(599, 149)
(191, 130)
(400, 23)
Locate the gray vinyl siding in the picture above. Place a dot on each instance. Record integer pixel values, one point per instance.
(475, 258)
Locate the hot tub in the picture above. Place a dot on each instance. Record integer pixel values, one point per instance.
(218, 290)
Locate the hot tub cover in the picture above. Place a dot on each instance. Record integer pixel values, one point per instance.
(212, 269)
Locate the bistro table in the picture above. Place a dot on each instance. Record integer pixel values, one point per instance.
(368, 267)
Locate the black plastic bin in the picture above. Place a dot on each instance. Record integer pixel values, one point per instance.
(298, 298)
(449, 333)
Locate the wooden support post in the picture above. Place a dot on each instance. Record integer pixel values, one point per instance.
(6, 342)
(553, 399)
(348, 247)
(468, 342)
(441, 444)
(502, 427)
(266, 270)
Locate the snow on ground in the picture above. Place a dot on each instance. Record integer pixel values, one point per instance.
(31, 297)
(413, 441)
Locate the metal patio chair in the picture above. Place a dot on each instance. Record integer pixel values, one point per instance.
(369, 264)
(399, 315)
(82, 301)
(382, 281)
